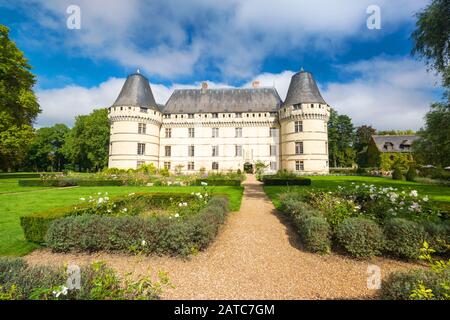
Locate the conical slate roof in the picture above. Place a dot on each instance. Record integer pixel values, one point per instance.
(136, 92)
(303, 89)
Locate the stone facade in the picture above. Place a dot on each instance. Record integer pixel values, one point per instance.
(221, 129)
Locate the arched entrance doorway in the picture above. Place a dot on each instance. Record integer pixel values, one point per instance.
(248, 167)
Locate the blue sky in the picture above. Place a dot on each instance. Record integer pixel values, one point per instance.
(367, 74)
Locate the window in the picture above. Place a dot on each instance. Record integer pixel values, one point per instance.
(191, 132)
(273, 150)
(191, 151)
(238, 151)
(239, 115)
(298, 126)
(142, 127)
(167, 165)
(140, 164)
(215, 151)
(238, 132)
(141, 148)
(168, 133)
(145, 110)
(299, 147)
(273, 166)
(191, 165)
(110, 148)
(190, 116)
(326, 147)
(215, 115)
(215, 132)
(215, 166)
(273, 132)
(299, 166)
(167, 151)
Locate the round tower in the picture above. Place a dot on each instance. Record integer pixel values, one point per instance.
(303, 121)
(135, 120)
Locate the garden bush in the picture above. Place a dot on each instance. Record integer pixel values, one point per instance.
(397, 174)
(35, 225)
(272, 180)
(135, 234)
(217, 182)
(437, 235)
(98, 282)
(360, 237)
(404, 238)
(399, 285)
(411, 174)
(315, 233)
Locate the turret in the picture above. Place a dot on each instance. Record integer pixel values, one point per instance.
(135, 120)
(303, 120)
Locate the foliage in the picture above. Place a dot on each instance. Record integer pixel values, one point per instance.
(360, 237)
(411, 174)
(390, 160)
(87, 144)
(433, 147)
(404, 238)
(431, 38)
(397, 174)
(18, 104)
(284, 177)
(431, 284)
(46, 149)
(98, 282)
(177, 234)
(363, 137)
(437, 235)
(341, 140)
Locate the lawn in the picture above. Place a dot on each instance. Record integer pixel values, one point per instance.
(16, 201)
(439, 194)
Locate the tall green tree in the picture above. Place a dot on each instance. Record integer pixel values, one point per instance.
(341, 139)
(434, 145)
(363, 136)
(18, 103)
(87, 144)
(432, 38)
(395, 132)
(46, 150)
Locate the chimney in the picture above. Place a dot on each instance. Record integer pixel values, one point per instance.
(255, 84)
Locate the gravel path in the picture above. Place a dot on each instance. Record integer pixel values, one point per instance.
(255, 256)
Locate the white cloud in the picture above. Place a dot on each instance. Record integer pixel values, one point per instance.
(173, 38)
(385, 92)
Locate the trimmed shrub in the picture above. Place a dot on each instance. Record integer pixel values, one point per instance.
(398, 285)
(294, 181)
(315, 233)
(35, 225)
(411, 174)
(437, 235)
(397, 174)
(359, 237)
(404, 238)
(218, 182)
(133, 234)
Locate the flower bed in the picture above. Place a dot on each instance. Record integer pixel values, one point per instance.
(19, 281)
(138, 223)
(365, 220)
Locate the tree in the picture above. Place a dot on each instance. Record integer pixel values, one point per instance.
(87, 143)
(340, 140)
(46, 150)
(395, 132)
(432, 38)
(434, 145)
(363, 136)
(18, 104)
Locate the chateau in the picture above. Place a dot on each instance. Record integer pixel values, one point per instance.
(221, 129)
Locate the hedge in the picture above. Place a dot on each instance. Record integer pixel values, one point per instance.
(218, 182)
(404, 238)
(360, 237)
(398, 285)
(70, 182)
(275, 181)
(134, 234)
(35, 225)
